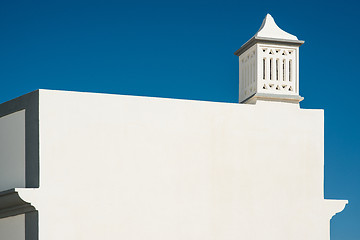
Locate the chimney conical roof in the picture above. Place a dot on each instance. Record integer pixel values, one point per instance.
(269, 32)
(269, 29)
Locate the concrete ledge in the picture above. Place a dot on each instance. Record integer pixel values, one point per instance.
(273, 97)
(335, 206)
(276, 41)
(11, 204)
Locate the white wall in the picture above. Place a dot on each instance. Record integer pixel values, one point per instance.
(12, 228)
(134, 168)
(12, 150)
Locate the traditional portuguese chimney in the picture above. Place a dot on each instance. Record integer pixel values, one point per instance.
(269, 66)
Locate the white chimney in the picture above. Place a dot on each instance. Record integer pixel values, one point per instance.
(269, 65)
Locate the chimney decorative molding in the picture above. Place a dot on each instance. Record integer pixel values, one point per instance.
(269, 65)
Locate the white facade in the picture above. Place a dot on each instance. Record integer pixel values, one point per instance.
(100, 166)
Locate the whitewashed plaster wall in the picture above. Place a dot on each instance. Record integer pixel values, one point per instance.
(126, 167)
(12, 150)
(12, 228)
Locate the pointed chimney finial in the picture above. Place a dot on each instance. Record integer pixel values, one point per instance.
(269, 29)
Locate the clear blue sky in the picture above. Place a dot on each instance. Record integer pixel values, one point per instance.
(184, 49)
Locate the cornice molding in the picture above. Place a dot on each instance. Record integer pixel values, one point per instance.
(12, 204)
